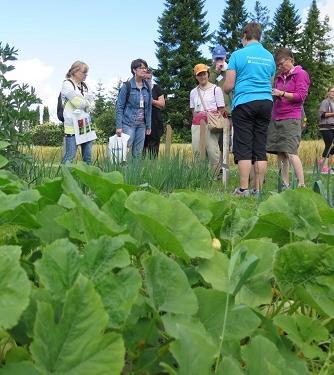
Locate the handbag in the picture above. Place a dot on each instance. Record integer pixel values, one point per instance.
(216, 121)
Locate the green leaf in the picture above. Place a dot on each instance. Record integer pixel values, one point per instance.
(49, 230)
(4, 144)
(119, 292)
(193, 348)
(3, 161)
(178, 230)
(10, 183)
(228, 275)
(20, 368)
(229, 366)
(262, 358)
(198, 202)
(59, 268)
(50, 190)
(256, 290)
(95, 222)
(14, 287)
(101, 183)
(304, 332)
(75, 343)
(17, 208)
(299, 208)
(168, 286)
(241, 320)
(307, 270)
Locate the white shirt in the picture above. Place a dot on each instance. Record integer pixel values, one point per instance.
(213, 97)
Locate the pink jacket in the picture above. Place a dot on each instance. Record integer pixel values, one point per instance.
(296, 82)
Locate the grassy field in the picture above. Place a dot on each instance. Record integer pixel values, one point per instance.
(309, 151)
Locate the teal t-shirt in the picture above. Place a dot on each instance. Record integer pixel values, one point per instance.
(255, 68)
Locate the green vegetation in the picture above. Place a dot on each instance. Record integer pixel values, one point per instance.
(98, 275)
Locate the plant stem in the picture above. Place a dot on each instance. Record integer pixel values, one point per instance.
(223, 334)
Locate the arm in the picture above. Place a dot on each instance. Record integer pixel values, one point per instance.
(120, 106)
(75, 98)
(300, 91)
(324, 110)
(229, 81)
(149, 114)
(160, 102)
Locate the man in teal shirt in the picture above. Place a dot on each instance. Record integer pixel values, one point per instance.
(250, 74)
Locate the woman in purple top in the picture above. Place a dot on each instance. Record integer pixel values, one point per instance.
(284, 132)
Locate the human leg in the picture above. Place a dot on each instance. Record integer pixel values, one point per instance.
(70, 149)
(138, 142)
(130, 131)
(213, 151)
(195, 135)
(86, 152)
(298, 168)
(283, 167)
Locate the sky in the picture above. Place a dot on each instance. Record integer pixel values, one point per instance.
(106, 34)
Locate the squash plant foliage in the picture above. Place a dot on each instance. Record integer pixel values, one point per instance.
(100, 277)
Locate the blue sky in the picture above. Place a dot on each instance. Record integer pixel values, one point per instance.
(107, 34)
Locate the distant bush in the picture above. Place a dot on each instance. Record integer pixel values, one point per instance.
(47, 135)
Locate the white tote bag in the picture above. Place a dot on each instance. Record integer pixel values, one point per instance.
(118, 147)
(83, 127)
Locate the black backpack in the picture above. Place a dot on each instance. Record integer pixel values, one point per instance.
(128, 88)
(60, 104)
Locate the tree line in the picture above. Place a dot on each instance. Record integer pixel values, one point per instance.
(183, 30)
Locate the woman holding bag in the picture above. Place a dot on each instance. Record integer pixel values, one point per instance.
(206, 98)
(77, 102)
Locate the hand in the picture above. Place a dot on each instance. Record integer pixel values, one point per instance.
(119, 132)
(276, 92)
(148, 131)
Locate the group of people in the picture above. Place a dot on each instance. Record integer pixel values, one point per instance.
(266, 108)
(262, 96)
(137, 111)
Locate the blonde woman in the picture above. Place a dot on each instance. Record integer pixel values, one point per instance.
(212, 97)
(76, 101)
(326, 126)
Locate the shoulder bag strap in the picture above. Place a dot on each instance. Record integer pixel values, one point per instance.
(200, 96)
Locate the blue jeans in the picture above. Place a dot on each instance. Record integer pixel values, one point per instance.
(70, 148)
(137, 138)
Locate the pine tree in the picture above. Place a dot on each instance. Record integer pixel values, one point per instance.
(262, 17)
(182, 30)
(315, 56)
(233, 20)
(286, 27)
(100, 101)
(46, 115)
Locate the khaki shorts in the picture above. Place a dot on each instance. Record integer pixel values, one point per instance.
(284, 136)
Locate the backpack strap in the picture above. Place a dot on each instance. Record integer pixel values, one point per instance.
(128, 90)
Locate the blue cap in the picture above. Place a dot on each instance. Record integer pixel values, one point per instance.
(218, 52)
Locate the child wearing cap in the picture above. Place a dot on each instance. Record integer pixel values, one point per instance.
(203, 98)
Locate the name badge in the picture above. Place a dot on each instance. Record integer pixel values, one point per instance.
(219, 78)
(141, 103)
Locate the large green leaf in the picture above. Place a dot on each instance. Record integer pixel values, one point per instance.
(59, 268)
(241, 320)
(172, 224)
(307, 270)
(101, 183)
(198, 202)
(9, 182)
(14, 287)
(74, 343)
(20, 368)
(257, 289)
(305, 332)
(3, 161)
(229, 366)
(49, 230)
(18, 208)
(299, 208)
(228, 275)
(193, 347)
(95, 222)
(50, 191)
(262, 358)
(168, 286)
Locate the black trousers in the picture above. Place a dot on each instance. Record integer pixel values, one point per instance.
(328, 137)
(250, 124)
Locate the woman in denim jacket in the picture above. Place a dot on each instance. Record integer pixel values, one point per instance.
(134, 108)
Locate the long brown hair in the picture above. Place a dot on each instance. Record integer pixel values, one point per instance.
(77, 65)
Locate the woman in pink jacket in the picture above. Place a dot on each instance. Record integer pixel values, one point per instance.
(284, 132)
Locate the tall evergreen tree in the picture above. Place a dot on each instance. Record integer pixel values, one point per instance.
(262, 17)
(100, 101)
(286, 27)
(232, 22)
(46, 114)
(182, 30)
(315, 55)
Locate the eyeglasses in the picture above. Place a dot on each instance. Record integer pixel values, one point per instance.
(142, 68)
(281, 63)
